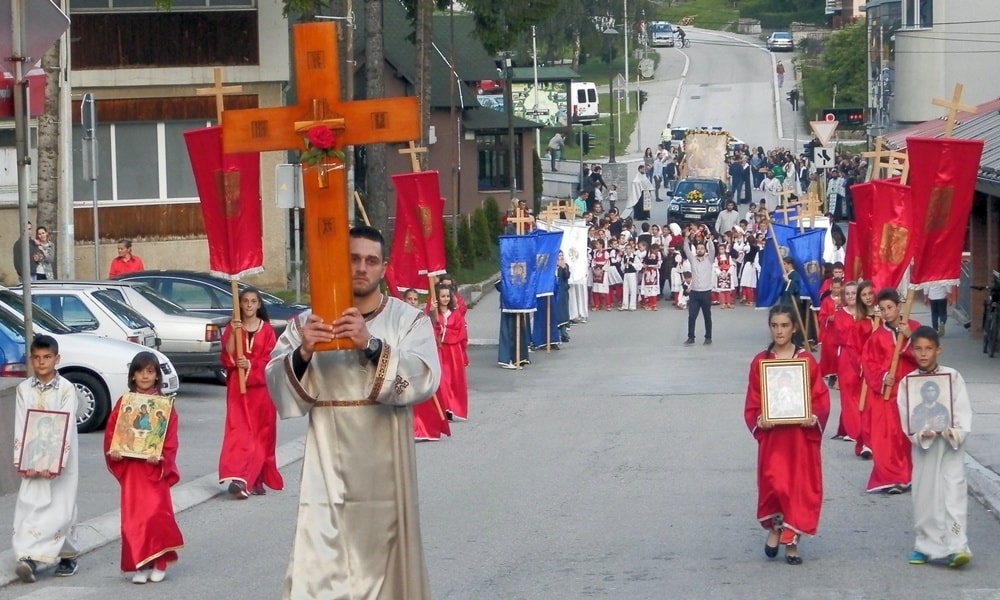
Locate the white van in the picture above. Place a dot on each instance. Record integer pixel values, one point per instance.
(583, 102)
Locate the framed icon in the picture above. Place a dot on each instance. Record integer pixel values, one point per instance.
(929, 402)
(44, 444)
(142, 425)
(785, 398)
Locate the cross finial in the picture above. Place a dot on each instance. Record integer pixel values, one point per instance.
(219, 91)
(413, 150)
(519, 219)
(954, 106)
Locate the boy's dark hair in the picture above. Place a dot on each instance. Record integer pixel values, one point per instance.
(45, 342)
(366, 232)
(888, 294)
(925, 332)
(838, 265)
(141, 361)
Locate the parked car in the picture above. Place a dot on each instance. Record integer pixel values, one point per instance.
(84, 310)
(13, 363)
(192, 340)
(97, 366)
(203, 292)
(697, 200)
(780, 40)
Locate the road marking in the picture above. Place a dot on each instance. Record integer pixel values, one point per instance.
(62, 593)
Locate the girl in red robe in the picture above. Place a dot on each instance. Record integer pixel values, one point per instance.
(828, 306)
(247, 459)
(789, 466)
(868, 321)
(848, 357)
(892, 461)
(150, 536)
(452, 340)
(429, 421)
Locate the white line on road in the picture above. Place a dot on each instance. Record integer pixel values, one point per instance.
(680, 84)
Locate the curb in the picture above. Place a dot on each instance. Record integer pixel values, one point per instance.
(102, 530)
(984, 484)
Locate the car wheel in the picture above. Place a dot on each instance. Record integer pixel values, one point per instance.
(221, 376)
(94, 405)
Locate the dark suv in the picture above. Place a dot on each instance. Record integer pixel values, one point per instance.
(686, 206)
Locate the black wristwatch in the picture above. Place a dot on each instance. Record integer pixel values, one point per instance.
(373, 348)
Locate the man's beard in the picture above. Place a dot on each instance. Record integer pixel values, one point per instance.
(362, 292)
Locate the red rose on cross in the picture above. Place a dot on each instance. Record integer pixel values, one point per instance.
(321, 137)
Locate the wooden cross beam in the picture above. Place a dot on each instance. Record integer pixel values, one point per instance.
(413, 150)
(954, 106)
(520, 219)
(877, 158)
(357, 122)
(900, 161)
(568, 208)
(550, 213)
(219, 91)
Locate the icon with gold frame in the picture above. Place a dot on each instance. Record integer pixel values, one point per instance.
(785, 398)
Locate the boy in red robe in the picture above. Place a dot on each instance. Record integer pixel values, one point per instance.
(892, 463)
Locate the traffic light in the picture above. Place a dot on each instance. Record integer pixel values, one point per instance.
(586, 143)
(642, 98)
(847, 117)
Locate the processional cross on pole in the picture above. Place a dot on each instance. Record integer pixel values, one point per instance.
(355, 122)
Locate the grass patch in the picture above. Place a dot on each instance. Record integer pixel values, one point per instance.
(708, 14)
(601, 132)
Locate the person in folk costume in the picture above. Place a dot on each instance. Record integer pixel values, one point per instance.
(247, 460)
(847, 357)
(725, 281)
(891, 466)
(868, 321)
(600, 288)
(751, 270)
(631, 264)
(741, 245)
(452, 337)
(615, 271)
(45, 511)
(429, 419)
(357, 531)
(150, 536)
(828, 305)
(649, 278)
(685, 294)
(507, 358)
(561, 301)
(940, 488)
(789, 465)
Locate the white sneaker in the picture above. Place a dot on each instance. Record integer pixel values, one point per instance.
(157, 575)
(141, 576)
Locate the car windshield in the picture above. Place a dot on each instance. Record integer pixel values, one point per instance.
(38, 315)
(708, 189)
(660, 27)
(11, 327)
(779, 35)
(131, 318)
(159, 301)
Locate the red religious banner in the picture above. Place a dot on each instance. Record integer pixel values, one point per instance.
(943, 180)
(229, 187)
(857, 261)
(892, 233)
(419, 194)
(406, 260)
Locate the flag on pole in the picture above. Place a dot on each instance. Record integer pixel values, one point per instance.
(420, 207)
(806, 250)
(229, 188)
(518, 276)
(546, 252)
(407, 262)
(857, 260)
(892, 234)
(943, 179)
(771, 281)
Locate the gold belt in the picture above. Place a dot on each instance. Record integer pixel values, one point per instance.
(344, 403)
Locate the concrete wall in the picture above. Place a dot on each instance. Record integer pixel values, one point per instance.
(9, 479)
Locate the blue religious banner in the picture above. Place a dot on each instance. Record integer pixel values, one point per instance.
(518, 274)
(546, 252)
(771, 280)
(807, 252)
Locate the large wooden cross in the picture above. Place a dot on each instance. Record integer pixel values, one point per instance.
(550, 213)
(355, 122)
(219, 91)
(954, 106)
(520, 218)
(884, 162)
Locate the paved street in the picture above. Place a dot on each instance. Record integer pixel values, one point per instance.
(618, 467)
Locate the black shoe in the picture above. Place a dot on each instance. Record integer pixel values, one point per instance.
(793, 560)
(770, 551)
(238, 490)
(66, 567)
(708, 342)
(689, 342)
(26, 569)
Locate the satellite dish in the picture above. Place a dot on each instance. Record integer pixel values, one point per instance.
(646, 68)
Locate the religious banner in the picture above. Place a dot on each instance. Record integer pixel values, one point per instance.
(518, 276)
(546, 252)
(806, 250)
(892, 233)
(229, 189)
(857, 264)
(407, 264)
(419, 194)
(943, 179)
(771, 281)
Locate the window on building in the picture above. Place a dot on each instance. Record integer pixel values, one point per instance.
(918, 13)
(138, 163)
(493, 170)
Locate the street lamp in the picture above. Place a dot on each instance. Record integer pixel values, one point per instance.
(611, 32)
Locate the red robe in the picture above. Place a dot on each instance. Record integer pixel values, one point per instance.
(863, 329)
(827, 349)
(250, 435)
(789, 465)
(848, 359)
(452, 337)
(149, 529)
(892, 463)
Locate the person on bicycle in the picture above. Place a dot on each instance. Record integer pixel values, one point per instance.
(681, 35)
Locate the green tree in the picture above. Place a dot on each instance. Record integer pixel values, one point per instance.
(466, 246)
(499, 25)
(481, 234)
(493, 216)
(536, 173)
(844, 64)
(450, 249)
